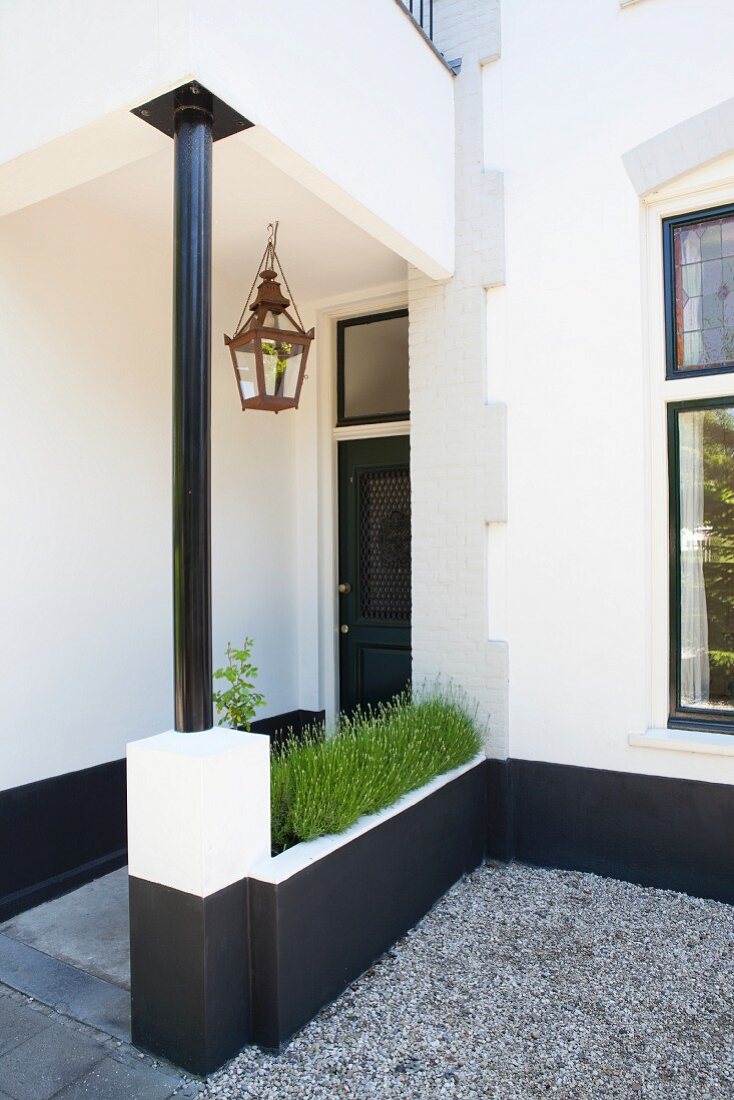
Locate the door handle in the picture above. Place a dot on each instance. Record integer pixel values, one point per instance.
(345, 588)
(344, 628)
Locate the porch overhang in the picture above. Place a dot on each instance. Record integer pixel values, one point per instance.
(348, 101)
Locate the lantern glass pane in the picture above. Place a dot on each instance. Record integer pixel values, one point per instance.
(281, 364)
(246, 371)
(272, 320)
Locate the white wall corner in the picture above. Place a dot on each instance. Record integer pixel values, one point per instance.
(497, 575)
(496, 732)
(198, 808)
(492, 240)
(495, 463)
(314, 129)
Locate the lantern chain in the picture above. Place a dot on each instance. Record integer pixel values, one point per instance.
(259, 268)
(269, 254)
(290, 294)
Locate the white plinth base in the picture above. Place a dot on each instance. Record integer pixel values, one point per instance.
(198, 808)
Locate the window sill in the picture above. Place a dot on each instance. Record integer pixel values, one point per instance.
(699, 741)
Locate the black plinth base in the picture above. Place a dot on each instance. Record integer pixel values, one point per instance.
(190, 973)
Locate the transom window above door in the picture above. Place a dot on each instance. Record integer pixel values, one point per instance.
(698, 252)
(372, 368)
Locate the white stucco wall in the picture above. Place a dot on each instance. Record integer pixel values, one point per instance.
(85, 549)
(556, 620)
(581, 85)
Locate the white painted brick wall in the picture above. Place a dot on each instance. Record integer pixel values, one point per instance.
(458, 441)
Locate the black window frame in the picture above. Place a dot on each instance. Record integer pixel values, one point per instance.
(343, 421)
(681, 717)
(671, 335)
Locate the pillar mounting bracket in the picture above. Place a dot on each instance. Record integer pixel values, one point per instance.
(159, 112)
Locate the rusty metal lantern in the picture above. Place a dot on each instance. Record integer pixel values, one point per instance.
(270, 348)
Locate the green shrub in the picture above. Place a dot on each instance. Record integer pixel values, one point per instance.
(237, 703)
(321, 786)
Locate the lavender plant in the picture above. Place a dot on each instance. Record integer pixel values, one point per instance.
(321, 786)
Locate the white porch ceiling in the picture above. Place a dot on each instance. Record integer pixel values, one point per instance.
(324, 254)
(358, 110)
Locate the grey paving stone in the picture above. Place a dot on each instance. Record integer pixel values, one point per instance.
(113, 1080)
(18, 1022)
(70, 991)
(88, 928)
(53, 1058)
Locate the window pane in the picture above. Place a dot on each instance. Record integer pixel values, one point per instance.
(375, 368)
(704, 293)
(706, 558)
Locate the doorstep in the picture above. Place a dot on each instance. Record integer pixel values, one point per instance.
(89, 928)
(72, 954)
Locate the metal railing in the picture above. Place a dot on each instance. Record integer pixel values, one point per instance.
(422, 12)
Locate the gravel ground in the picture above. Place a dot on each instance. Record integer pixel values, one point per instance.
(524, 983)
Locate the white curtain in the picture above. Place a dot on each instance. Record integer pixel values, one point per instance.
(693, 536)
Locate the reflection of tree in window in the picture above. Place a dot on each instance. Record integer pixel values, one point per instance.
(715, 551)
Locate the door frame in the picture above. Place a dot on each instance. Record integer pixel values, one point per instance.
(329, 436)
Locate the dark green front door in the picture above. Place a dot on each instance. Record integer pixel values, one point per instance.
(374, 564)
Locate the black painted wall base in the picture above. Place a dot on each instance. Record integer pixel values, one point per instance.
(293, 723)
(315, 932)
(652, 830)
(59, 833)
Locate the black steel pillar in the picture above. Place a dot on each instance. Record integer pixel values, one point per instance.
(192, 611)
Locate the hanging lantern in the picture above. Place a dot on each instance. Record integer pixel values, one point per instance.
(269, 349)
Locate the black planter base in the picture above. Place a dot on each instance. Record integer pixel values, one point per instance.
(315, 932)
(256, 961)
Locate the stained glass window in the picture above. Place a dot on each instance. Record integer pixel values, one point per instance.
(702, 313)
